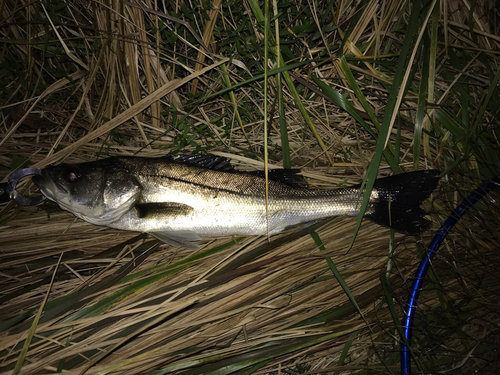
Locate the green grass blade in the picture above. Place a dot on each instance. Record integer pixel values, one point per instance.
(191, 259)
(266, 119)
(60, 365)
(272, 350)
(232, 97)
(293, 90)
(285, 147)
(393, 100)
(394, 315)
(421, 103)
(342, 283)
(345, 350)
(305, 115)
(488, 153)
(256, 367)
(337, 274)
(352, 24)
(345, 104)
(431, 79)
(344, 67)
(34, 325)
(256, 78)
(122, 295)
(316, 239)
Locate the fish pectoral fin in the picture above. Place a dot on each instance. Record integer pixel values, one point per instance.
(154, 210)
(164, 211)
(178, 238)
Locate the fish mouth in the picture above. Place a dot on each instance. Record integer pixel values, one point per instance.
(49, 187)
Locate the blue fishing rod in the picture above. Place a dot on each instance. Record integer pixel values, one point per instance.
(416, 287)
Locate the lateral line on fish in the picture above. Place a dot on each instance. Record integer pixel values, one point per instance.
(201, 185)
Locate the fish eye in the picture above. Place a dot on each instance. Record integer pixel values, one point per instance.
(72, 175)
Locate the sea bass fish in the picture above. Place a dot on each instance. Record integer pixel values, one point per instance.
(180, 199)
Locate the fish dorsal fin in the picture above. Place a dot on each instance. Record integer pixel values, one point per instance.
(208, 161)
(161, 209)
(290, 177)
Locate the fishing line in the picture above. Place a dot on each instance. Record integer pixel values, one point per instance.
(416, 287)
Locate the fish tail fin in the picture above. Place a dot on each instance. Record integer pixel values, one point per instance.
(397, 205)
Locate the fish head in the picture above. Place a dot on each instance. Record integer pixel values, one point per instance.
(98, 192)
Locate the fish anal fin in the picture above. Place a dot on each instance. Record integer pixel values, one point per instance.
(183, 238)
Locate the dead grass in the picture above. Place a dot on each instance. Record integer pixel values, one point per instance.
(84, 80)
